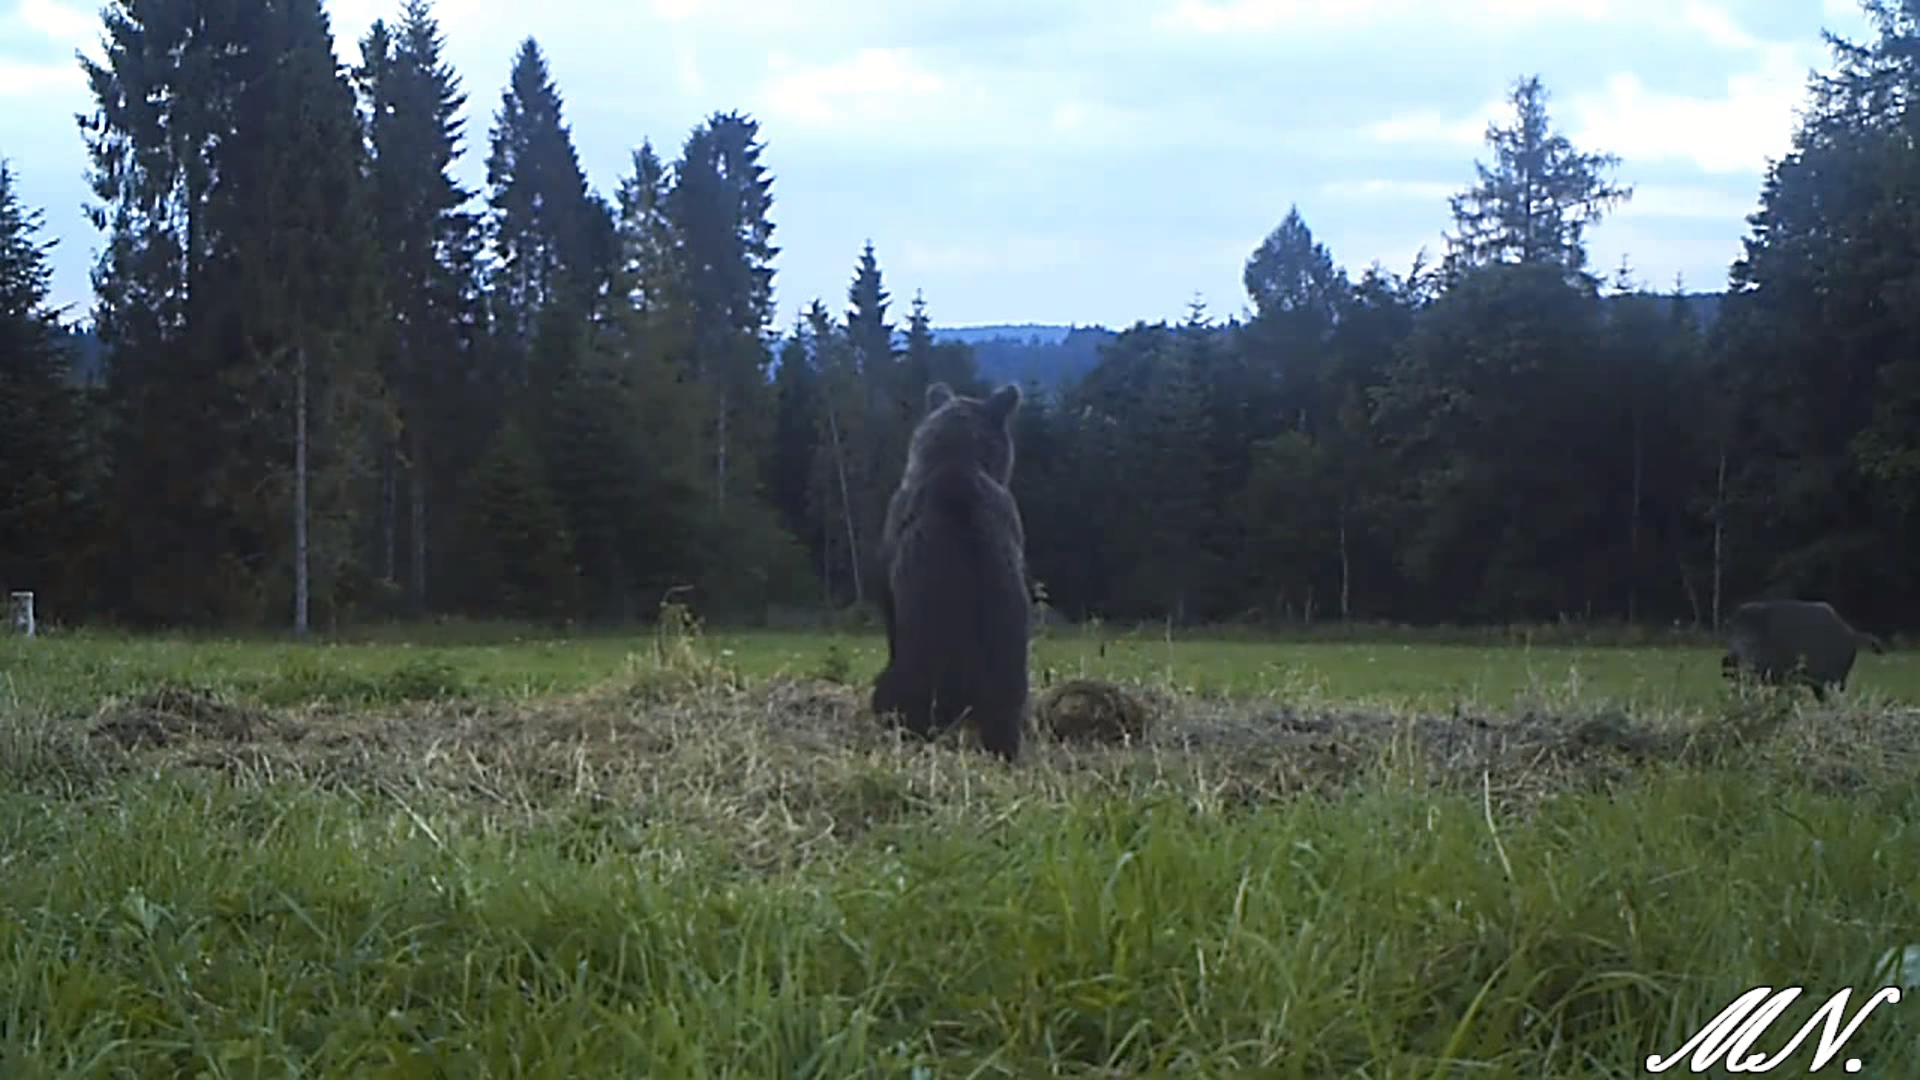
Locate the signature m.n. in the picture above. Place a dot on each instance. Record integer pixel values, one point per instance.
(1732, 1033)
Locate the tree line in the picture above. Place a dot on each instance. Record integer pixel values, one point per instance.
(337, 385)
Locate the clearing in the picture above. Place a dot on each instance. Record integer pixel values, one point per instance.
(682, 855)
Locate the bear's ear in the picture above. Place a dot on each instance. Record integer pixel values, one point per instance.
(1002, 402)
(938, 394)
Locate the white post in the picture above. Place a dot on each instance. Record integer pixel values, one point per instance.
(21, 611)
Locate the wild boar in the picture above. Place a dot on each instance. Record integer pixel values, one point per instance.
(1793, 642)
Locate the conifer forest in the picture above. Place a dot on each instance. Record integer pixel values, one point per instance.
(321, 383)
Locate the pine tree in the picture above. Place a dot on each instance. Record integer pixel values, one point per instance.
(413, 100)
(226, 158)
(839, 480)
(546, 227)
(867, 327)
(151, 142)
(1291, 273)
(304, 265)
(892, 408)
(624, 435)
(517, 533)
(916, 361)
(1535, 203)
(796, 387)
(652, 263)
(41, 475)
(719, 206)
(555, 244)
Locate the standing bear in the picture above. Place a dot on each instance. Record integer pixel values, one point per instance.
(953, 584)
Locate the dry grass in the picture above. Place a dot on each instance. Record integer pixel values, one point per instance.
(774, 767)
(1092, 711)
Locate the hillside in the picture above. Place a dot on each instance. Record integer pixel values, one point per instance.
(1050, 355)
(1043, 356)
(1047, 333)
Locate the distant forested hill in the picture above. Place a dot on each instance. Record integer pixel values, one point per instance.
(1047, 356)
(1049, 333)
(1052, 355)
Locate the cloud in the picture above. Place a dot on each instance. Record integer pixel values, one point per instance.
(896, 91)
(1716, 25)
(1241, 16)
(959, 26)
(1382, 188)
(1293, 16)
(686, 68)
(18, 80)
(1736, 133)
(1435, 128)
(1090, 122)
(872, 87)
(1698, 202)
(64, 23)
(764, 19)
(1005, 251)
(1731, 133)
(350, 19)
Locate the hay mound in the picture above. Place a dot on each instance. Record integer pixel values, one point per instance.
(170, 713)
(815, 713)
(1092, 711)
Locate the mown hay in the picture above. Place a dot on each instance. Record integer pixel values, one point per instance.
(170, 713)
(775, 768)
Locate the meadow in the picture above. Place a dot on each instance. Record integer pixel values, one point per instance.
(429, 852)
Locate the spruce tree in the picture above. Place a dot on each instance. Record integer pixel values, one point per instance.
(41, 468)
(413, 101)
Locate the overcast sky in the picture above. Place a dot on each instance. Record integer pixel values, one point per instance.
(1079, 161)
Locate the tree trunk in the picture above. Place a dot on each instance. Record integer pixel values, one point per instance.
(1686, 585)
(417, 499)
(1719, 531)
(846, 506)
(300, 583)
(720, 453)
(1346, 568)
(1633, 526)
(389, 509)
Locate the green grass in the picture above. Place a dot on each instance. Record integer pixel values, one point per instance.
(73, 672)
(589, 857)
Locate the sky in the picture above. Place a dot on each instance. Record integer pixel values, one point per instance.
(1085, 161)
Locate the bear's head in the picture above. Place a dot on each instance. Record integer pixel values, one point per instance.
(959, 429)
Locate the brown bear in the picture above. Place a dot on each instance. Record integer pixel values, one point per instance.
(953, 589)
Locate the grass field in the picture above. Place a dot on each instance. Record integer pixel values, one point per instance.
(688, 855)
